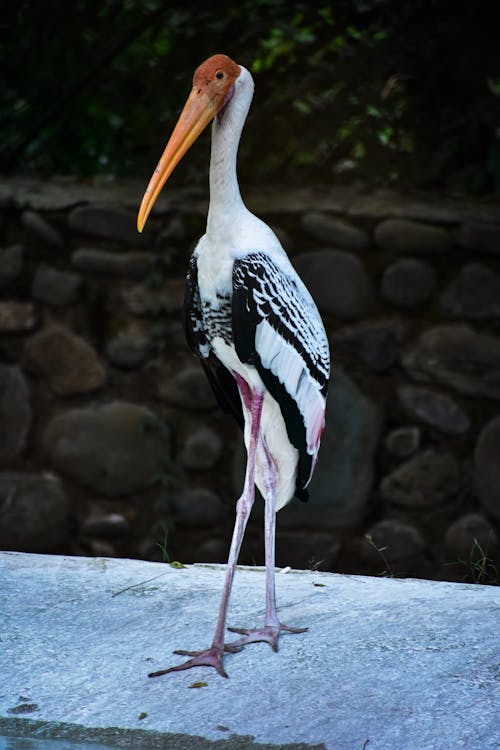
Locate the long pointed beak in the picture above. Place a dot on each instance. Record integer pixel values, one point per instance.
(198, 111)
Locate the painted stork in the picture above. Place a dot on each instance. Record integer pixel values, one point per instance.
(257, 332)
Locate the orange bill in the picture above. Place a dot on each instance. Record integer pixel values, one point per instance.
(198, 111)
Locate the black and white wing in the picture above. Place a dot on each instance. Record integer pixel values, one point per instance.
(221, 380)
(277, 328)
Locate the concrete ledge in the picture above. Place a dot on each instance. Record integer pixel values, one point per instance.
(386, 665)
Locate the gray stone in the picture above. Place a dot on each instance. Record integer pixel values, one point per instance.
(487, 467)
(174, 232)
(391, 541)
(334, 232)
(343, 479)
(109, 223)
(197, 507)
(15, 413)
(377, 344)
(338, 281)
(115, 449)
(434, 409)
(128, 350)
(416, 659)
(67, 361)
(6, 195)
(384, 203)
(403, 441)
(427, 480)
(41, 228)
(479, 237)
(34, 513)
(470, 538)
(55, 287)
(143, 300)
(92, 261)
(408, 283)
(313, 551)
(42, 195)
(213, 550)
(106, 525)
(474, 294)
(202, 449)
(411, 237)
(457, 357)
(16, 317)
(11, 264)
(285, 238)
(188, 389)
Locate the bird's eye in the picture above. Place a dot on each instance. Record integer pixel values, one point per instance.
(219, 74)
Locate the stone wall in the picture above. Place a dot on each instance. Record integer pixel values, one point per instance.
(110, 439)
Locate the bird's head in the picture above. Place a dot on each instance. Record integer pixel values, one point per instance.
(213, 87)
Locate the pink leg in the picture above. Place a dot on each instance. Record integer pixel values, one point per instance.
(212, 657)
(272, 626)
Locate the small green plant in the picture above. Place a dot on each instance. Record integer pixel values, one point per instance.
(165, 556)
(480, 567)
(314, 564)
(163, 545)
(388, 572)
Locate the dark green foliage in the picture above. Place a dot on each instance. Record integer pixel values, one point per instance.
(390, 92)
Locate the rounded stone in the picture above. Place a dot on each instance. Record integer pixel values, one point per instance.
(54, 287)
(202, 449)
(11, 264)
(313, 551)
(469, 538)
(41, 228)
(17, 317)
(411, 237)
(487, 467)
(197, 507)
(114, 449)
(188, 389)
(128, 350)
(427, 480)
(474, 294)
(65, 360)
(408, 283)
(108, 222)
(403, 441)
(34, 512)
(434, 409)
(377, 343)
(480, 237)
(457, 357)
(15, 413)
(338, 282)
(106, 525)
(391, 540)
(107, 263)
(334, 232)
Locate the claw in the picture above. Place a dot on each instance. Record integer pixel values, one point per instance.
(210, 657)
(268, 634)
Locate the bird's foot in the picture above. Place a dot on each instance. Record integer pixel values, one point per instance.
(268, 634)
(209, 657)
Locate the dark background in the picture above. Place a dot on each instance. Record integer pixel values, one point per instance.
(387, 91)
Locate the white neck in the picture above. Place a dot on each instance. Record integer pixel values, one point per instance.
(225, 195)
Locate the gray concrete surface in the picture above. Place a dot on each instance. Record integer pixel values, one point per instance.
(386, 665)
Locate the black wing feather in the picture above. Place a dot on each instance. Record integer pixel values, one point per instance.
(222, 382)
(262, 292)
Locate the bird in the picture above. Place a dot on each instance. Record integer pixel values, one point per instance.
(257, 332)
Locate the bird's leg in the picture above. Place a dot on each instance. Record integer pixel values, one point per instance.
(212, 657)
(272, 626)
